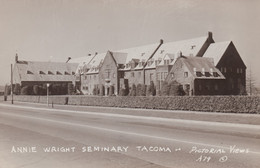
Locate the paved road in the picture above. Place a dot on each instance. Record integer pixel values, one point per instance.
(70, 138)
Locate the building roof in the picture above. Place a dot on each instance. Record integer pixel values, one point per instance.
(83, 62)
(202, 67)
(120, 57)
(190, 47)
(142, 52)
(44, 71)
(216, 51)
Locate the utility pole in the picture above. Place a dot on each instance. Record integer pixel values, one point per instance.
(12, 84)
(48, 93)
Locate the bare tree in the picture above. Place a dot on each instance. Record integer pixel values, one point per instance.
(251, 87)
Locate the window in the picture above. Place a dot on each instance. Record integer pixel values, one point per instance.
(132, 74)
(29, 72)
(114, 75)
(50, 73)
(216, 87)
(73, 73)
(58, 73)
(107, 73)
(161, 75)
(224, 69)
(165, 75)
(185, 74)
(241, 70)
(151, 76)
(41, 72)
(200, 87)
(208, 87)
(66, 73)
(238, 70)
(139, 74)
(158, 76)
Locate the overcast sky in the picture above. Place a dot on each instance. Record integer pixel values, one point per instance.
(53, 30)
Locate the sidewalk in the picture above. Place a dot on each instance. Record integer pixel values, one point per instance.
(253, 119)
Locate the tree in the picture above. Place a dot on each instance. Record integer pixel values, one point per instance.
(251, 88)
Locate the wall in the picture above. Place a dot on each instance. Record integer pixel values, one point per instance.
(108, 74)
(231, 60)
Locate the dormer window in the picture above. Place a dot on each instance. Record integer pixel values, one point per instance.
(185, 74)
(66, 73)
(215, 74)
(29, 72)
(50, 73)
(58, 73)
(41, 72)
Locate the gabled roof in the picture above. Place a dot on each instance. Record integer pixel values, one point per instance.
(142, 52)
(97, 59)
(30, 71)
(190, 47)
(216, 50)
(83, 62)
(199, 64)
(119, 57)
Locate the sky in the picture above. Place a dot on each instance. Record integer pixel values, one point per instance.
(53, 30)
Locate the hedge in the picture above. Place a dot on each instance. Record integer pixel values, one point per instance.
(234, 104)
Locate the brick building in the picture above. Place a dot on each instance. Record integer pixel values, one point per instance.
(30, 73)
(200, 65)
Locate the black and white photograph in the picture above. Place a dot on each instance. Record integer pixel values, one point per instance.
(129, 83)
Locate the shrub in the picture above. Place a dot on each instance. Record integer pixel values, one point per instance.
(17, 89)
(138, 89)
(102, 90)
(36, 90)
(152, 88)
(165, 89)
(143, 90)
(7, 90)
(111, 90)
(122, 92)
(71, 89)
(133, 90)
(174, 88)
(25, 90)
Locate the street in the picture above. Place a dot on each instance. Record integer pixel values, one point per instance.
(39, 136)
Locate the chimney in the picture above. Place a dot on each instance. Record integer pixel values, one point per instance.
(16, 58)
(195, 70)
(161, 41)
(211, 71)
(68, 59)
(203, 71)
